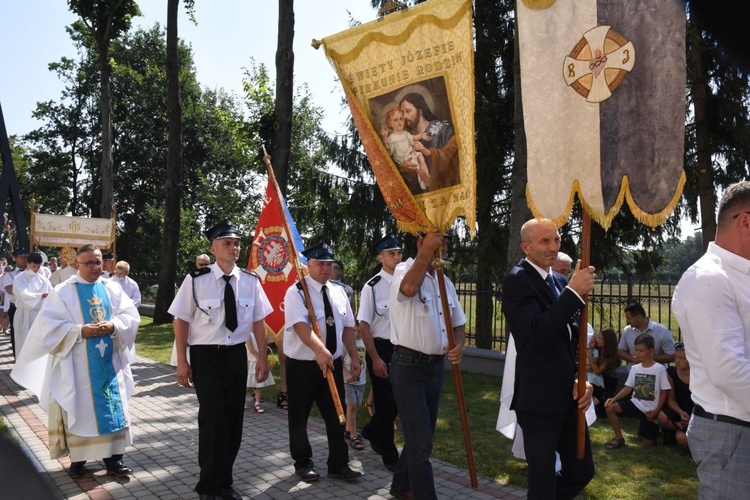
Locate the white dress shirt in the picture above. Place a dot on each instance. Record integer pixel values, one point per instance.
(712, 306)
(374, 306)
(417, 322)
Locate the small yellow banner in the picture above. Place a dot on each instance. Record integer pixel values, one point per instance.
(409, 81)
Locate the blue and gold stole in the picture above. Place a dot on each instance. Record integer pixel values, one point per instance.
(105, 391)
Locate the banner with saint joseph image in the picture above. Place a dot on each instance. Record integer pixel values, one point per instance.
(409, 81)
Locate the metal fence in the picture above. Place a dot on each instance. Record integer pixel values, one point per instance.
(606, 305)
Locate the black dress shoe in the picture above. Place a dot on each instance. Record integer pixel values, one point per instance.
(307, 474)
(77, 469)
(230, 494)
(344, 473)
(206, 496)
(119, 470)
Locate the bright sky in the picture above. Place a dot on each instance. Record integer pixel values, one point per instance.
(229, 33)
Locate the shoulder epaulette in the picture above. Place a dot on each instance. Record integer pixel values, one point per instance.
(199, 272)
(299, 285)
(248, 271)
(374, 280)
(336, 282)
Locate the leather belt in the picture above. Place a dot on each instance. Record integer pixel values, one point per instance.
(218, 346)
(431, 358)
(700, 412)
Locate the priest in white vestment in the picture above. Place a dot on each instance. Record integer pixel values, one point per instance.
(75, 359)
(30, 288)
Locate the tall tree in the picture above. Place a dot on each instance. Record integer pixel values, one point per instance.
(282, 125)
(104, 21)
(173, 177)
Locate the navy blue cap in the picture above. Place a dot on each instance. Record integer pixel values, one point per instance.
(390, 242)
(321, 252)
(108, 256)
(20, 251)
(224, 229)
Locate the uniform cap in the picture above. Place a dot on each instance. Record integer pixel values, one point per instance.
(20, 251)
(224, 229)
(320, 252)
(390, 242)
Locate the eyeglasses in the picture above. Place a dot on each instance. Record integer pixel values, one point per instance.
(679, 346)
(92, 263)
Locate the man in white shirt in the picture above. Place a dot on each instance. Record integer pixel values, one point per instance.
(712, 306)
(311, 358)
(375, 330)
(420, 338)
(215, 311)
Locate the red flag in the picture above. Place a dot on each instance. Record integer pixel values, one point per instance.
(270, 257)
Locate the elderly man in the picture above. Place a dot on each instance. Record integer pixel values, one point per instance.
(215, 311)
(87, 325)
(541, 308)
(712, 306)
(128, 284)
(311, 358)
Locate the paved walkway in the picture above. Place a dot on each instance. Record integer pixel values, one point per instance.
(164, 454)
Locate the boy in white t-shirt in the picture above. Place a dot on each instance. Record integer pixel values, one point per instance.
(355, 390)
(649, 383)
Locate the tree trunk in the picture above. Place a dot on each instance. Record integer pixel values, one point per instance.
(106, 206)
(282, 125)
(173, 181)
(703, 165)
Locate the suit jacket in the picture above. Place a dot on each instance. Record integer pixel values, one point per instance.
(545, 332)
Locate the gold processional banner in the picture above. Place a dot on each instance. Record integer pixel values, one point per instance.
(66, 231)
(409, 81)
(603, 88)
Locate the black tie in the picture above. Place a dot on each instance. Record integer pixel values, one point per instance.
(330, 322)
(552, 286)
(230, 306)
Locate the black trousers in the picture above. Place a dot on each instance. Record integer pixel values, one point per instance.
(305, 386)
(220, 376)
(380, 428)
(543, 434)
(11, 313)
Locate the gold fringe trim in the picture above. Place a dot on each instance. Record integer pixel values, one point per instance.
(605, 219)
(371, 35)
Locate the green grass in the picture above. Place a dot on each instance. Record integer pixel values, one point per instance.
(630, 473)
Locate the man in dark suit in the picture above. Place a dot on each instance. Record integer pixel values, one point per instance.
(542, 309)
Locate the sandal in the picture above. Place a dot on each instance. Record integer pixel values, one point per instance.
(282, 401)
(357, 443)
(615, 444)
(258, 408)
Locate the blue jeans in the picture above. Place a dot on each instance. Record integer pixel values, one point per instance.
(417, 385)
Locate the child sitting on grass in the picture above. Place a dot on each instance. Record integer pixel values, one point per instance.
(649, 383)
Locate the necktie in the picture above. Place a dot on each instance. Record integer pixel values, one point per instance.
(330, 322)
(551, 284)
(230, 305)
